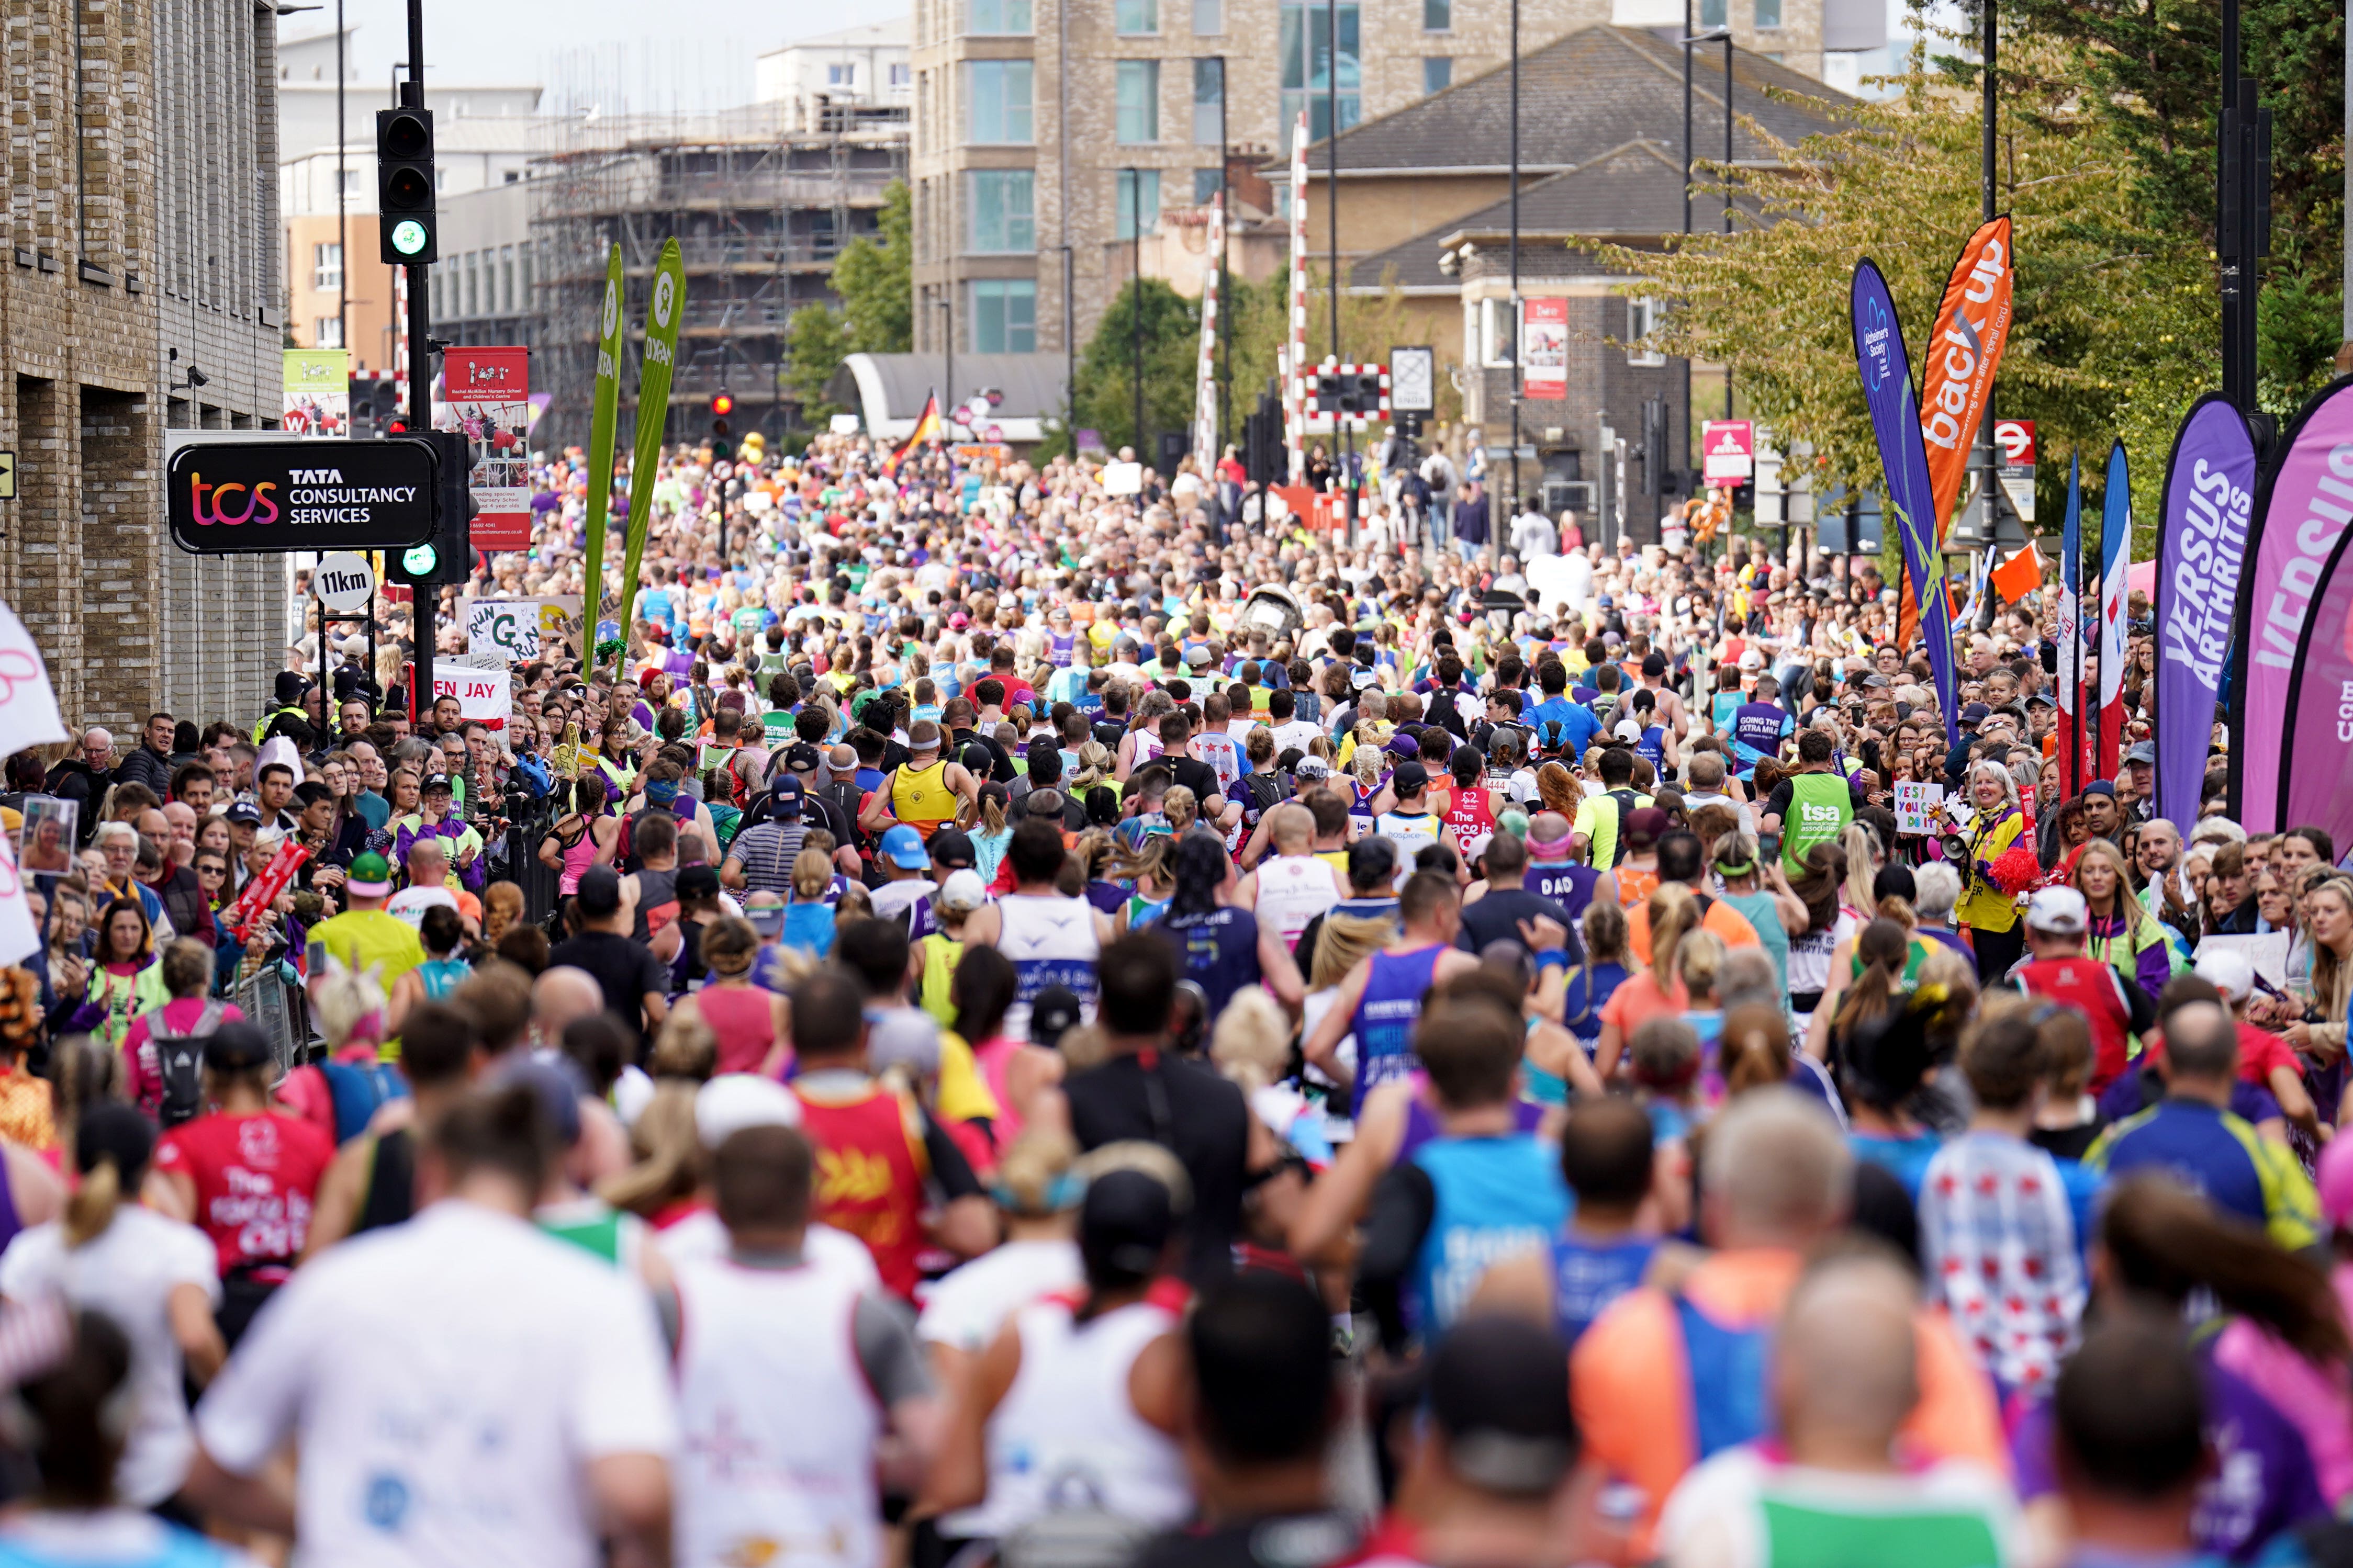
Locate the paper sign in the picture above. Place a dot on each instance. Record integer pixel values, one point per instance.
(489, 395)
(484, 694)
(318, 391)
(518, 630)
(1123, 479)
(2267, 953)
(48, 834)
(28, 706)
(1916, 808)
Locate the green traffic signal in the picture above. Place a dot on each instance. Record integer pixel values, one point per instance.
(408, 237)
(418, 560)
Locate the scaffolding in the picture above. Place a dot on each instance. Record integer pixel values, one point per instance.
(761, 199)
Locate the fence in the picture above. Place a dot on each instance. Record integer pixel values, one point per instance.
(280, 1011)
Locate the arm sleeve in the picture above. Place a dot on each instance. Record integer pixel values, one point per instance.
(950, 1169)
(1403, 1205)
(887, 1352)
(621, 1402)
(1779, 804)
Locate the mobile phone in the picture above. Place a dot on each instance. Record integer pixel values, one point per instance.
(1768, 845)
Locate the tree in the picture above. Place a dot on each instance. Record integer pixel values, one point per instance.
(876, 280)
(1107, 386)
(816, 341)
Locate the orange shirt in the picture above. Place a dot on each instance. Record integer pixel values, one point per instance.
(1730, 926)
(1638, 1000)
(1630, 1383)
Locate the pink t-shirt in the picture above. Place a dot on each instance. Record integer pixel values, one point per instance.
(140, 1078)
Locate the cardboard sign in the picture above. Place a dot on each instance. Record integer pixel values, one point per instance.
(489, 393)
(518, 630)
(1917, 808)
(484, 694)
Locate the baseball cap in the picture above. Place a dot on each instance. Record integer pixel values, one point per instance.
(2060, 911)
(600, 891)
(245, 813)
(697, 882)
(1125, 1223)
(436, 784)
(1313, 768)
(732, 1101)
(1498, 1389)
(765, 911)
(237, 1046)
(2144, 752)
(801, 757)
(370, 876)
(1198, 657)
(952, 848)
(922, 735)
(2101, 786)
(1752, 660)
(903, 1036)
(1054, 1014)
(904, 847)
(1411, 778)
(785, 794)
(963, 891)
(1973, 715)
(1655, 664)
(2229, 971)
(1403, 745)
(1371, 859)
(1647, 822)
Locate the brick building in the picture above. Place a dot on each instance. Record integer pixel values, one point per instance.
(138, 293)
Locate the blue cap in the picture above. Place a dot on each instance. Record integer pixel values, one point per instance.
(785, 794)
(903, 846)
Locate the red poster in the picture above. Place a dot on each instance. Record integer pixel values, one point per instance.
(487, 394)
(1544, 348)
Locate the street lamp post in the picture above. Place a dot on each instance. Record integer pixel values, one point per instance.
(1494, 526)
(1346, 438)
(1135, 297)
(1692, 40)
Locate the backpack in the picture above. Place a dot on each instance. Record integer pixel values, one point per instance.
(1265, 793)
(180, 1064)
(358, 1090)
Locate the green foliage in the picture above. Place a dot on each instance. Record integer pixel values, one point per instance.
(815, 342)
(1106, 389)
(875, 278)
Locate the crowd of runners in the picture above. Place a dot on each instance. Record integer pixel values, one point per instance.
(1003, 1020)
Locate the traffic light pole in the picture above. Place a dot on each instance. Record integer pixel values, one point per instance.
(425, 597)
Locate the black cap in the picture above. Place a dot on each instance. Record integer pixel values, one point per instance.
(1411, 778)
(246, 812)
(1124, 1226)
(436, 784)
(801, 757)
(238, 1047)
(1054, 1013)
(1655, 664)
(952, 849)
(697, 882)
(1498, 1389)
(600, 891)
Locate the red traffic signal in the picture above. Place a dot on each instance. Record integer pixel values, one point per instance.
(722, 404)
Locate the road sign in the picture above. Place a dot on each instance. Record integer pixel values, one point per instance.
(1413, 380)
(2013, 442)
(344, 581)
(7, 475)
(274, 496)
(1728, 450)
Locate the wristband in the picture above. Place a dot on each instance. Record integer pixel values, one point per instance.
(1552, 958)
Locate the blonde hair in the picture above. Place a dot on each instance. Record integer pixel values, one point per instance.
(1862, 859)
(669, 1155)
(1674, 914)
(1030, 1165)
(686, 1048)
(812, 874)
(1345, 940)
(91, 1207)
(1181, 807)
(1251, 1042)
(341, 1000)
(2137, 918)
(1697, 958)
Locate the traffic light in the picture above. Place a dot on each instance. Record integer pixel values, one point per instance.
(1360, 393)
(1328, 391)
(404, 186)
(374, 407)
(447, 555)
(723, 403)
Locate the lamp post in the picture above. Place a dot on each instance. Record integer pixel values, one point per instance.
(1496, 526)
(1347, 441)
(947, 302)
(1225, 293)
(1136, 296)
(1692, 40)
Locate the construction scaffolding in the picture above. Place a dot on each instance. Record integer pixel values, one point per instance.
(762, 199)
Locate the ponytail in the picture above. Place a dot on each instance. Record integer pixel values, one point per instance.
(112, 1145)
(2166, 1243)
(1673, 912)
(91, 1207)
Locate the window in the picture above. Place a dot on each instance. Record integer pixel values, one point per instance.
(525, 278)
(900, 76)
(1642, 321)
(842, 75)
(1003, 218)
(1139, 192)
(347, 182)
(1004, 315)
(1306, 44)
(441, 180)
(506, 278)
(1715, 13)
(1436, 15)
(1137, 15)
(996, 16)
(1768, 13)
(326, 267)
(1208, 16)
(1208, 103)
(327, 332)
(1436, 73)
(471, 304)
(1495, 333)
(1139, 101)
(1207, 183)
(996, 102)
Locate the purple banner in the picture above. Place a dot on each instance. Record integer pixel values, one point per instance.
(2318, 787)
(1909, 500)
(2209, 494)
(2303, 512)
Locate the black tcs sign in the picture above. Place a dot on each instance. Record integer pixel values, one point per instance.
(275, 495)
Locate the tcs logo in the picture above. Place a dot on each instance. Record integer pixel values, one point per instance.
(218, 513)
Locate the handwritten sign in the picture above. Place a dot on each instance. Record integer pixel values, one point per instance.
(484, 694)
(1918, 806)
(516, 630)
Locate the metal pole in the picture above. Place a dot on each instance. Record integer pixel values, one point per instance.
(1727, 197)
(427, 598)
(1136, 298)
(1989, 199)
(1346, 442)
(1225, 297)
(1657, 460)
(1494, 525)
(343, 215)
(947, 393)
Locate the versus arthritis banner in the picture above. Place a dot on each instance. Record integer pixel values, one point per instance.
(605, 414)
(2210, 497)
(487, 398)
(2318, 787)
(2068, 634)
(1908, 498)
(2301, 512)
(2116, 561)
(665, 308)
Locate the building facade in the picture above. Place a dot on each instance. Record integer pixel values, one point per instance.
(140, 294)
(865, 67)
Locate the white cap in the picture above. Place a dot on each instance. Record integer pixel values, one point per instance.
(2058, 912)
(1752, 659)
(2228, 969)
(964, 892)
(732, 1101)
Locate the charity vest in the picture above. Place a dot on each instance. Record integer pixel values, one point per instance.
(869, 1177)
(921, 798)
(1819, 808)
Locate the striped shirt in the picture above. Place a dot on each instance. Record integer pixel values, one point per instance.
(767, 853)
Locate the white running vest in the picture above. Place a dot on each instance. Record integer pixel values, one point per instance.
(1411, 833)
(1051, 941)
(777, 1424)
(1067, 1432)
(1292, 891)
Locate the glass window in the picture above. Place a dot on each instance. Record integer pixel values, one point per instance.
(1306, 44)
(326, 267)
(1139, 101)
(1139, 191)
(1004, 220)
(1208, 16)
(327, 332)
(1209, 102)
(997, 16)
(506, 278)
(473, 284)
(1206, 184)
(1436, 15)
(1713, 13)
(996, 102)
(899, 75)
(1641, 320)
(1436, 73)
(1137, 15)
(1004, 316)
(1768, 13)
(840, 75)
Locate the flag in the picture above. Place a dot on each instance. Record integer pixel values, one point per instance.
(2116, 560)
(2019, 576)
(2210, 499)
(665, 309)
(29, 704)
(2067, 632)
(604, 415)
(927, 428)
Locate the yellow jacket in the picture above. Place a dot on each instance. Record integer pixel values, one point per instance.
(1984, 905)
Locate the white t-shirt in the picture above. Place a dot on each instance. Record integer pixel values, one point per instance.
(1296, 732)
(410, 903)
(967, 1307)
(450, 1379)
(128, 1271)
(702, 1235)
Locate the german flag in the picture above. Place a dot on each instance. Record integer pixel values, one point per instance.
(927, 428)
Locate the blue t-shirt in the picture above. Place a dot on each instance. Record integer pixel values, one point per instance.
(1589, 1275)
(1905, 1159)
(1562, 725)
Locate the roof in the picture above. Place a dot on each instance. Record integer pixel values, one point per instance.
(867, 36)
(1585, 94)
(890, 389)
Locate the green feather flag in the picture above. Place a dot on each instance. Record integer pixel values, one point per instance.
(664, 310)
(605, 415)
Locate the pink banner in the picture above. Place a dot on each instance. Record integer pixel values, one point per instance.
(2319, 786)
(253, 905)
